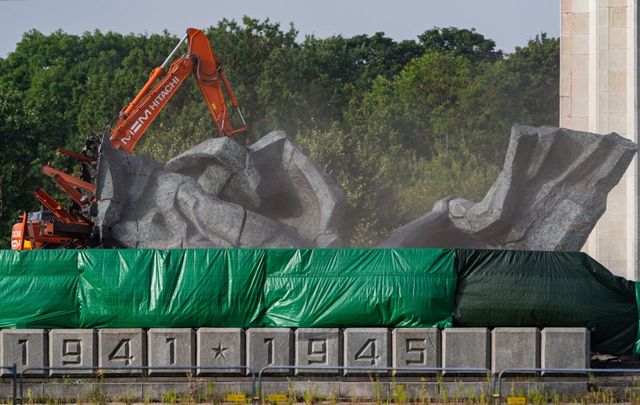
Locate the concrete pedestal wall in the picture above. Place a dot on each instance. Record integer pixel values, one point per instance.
(599, 93)
(209, 350)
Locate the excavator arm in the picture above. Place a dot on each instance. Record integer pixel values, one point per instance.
(57, 226)
(202, 62)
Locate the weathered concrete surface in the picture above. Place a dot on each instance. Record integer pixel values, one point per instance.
(366, 347)
(466, 348)
(223, 168)
(121, 348)
(515, 348)
(220, 347)
(73, 348)
(218, 194)
(318, 347)
(416, 347)
(216, 346)
(565, 348)
(549, 195)
(270, 347)
(551, 192)
(26, 348)
(142, 205)
(171, 347)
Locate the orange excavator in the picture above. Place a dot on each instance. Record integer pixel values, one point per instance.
(55, 226)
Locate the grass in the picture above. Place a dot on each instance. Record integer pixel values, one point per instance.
(423, 391)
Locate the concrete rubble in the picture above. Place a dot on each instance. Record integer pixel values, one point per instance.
(549, 195)
(551, 192)
(218, 194)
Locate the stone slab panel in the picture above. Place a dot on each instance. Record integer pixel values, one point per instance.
(318, 347)
(366, 347)
(6, 389)
(173, 348)
(223, 168)
(465, 348)
(374, 391)
(70, 348)
(26, 348)
(465, 388)
(515, 348)
(219, 347)
(416, 347)
(418, 392)
(565, 348)
(557, 385)
(157, 390)
(269, 346)
(318, 391)
(122, 348)
(296, 192)
(125, 390)
(78, 391)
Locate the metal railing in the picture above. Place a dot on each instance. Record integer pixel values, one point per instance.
(257, 379)
(73, 371)
(371, 370)
(498, 380)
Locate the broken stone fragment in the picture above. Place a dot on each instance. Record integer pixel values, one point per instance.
(214, 195)
(296, 192)
(223, 168)
(551, 192)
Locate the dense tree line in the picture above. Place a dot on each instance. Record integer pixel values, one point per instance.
(398, 124)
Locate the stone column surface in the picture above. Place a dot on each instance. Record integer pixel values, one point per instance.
(26, 348)
(366, 347)
(318, 347)
(73, 348)
(270, 346)
(599, 93)
(122, 348)
(563, 348)
(171, 347)
(220, 347)
(466, 348)
(417, 347)
(515, 348)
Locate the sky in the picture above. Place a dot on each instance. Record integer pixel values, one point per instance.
(508, 22)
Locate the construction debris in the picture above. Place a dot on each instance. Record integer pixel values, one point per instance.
(218, 194)
(551, 192)
(549, 196)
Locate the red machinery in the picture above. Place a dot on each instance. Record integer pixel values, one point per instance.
(59, 227)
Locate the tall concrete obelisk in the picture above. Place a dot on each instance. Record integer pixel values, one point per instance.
(599, 93)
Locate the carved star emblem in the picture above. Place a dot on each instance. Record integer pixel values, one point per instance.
(219, 351)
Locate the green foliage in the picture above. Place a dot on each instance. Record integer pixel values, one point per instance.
(460, 42)
(398, 124)
(440, 127)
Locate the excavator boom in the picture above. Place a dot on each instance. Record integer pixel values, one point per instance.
(202, 62)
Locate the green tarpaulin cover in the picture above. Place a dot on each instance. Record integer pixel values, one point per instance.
(317, 288)
(546, 289)
(226, 287)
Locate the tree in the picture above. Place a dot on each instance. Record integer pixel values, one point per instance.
(460, 42)
(398, 124)
(440, 127)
